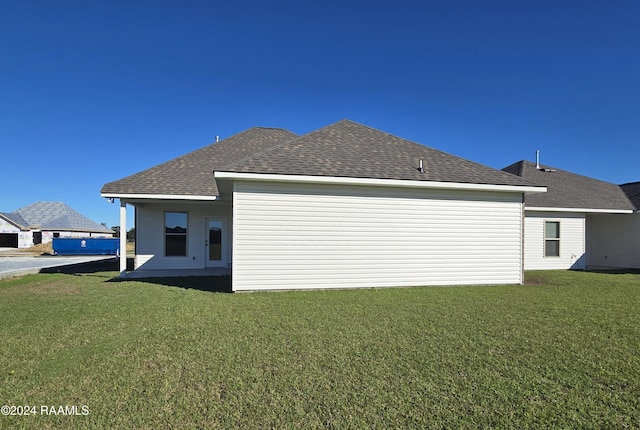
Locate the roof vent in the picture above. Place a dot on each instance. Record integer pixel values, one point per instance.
(420, 167)
(542, 169)
(217, 139)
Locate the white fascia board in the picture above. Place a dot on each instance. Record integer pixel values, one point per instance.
(377, 182)
(578, 210)
(157, 197)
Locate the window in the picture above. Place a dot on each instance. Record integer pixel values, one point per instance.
(552, 239)
(175, 234)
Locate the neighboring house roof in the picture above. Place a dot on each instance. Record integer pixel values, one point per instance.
(570, 190)
(344, 149)
(192, 174)
(632, 190)
(55, 216)
(15, 219)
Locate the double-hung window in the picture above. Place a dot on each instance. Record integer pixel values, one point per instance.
(552, 239)
(175, 234)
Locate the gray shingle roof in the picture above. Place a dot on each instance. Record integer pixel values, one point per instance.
(632, 190)
(58, 216)
(15, 219)
(192, 174)
(569, 190)
(343, 149)
(349, 149)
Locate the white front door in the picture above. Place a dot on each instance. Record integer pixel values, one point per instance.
(215, 242)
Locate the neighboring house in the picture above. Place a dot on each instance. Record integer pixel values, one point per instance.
(341, 207)
(42, 221)
(579, 221)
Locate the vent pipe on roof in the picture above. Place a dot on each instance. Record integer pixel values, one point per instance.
(420, 167)
(538, 159)
(217, 139)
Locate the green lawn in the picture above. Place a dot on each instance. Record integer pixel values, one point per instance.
(562, 351)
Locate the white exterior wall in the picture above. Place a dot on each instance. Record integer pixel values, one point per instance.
(25, 239)
(614, 240)
(572, 241)
(295, 236)
(6, 227)
(150, 234)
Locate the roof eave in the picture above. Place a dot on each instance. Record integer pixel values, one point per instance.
(133, 196)
(336, 180)
(578, 210)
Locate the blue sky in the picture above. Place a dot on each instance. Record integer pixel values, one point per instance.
(92, 91)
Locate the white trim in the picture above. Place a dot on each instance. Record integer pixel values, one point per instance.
(224, 248)
(377, 182)
(123, 238)
(578, 210)
(158, 196)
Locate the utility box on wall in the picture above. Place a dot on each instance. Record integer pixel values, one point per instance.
(86, 246)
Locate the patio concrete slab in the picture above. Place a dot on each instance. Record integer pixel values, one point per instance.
(171, 273)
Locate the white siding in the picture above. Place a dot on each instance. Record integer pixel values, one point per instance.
(150, 234)
(289, 236)
(572, 241)
(614, 240)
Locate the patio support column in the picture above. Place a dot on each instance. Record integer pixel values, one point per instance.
(123, 238)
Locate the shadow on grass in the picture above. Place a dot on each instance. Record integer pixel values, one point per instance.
(615, 271)
(218, 284)
(214, 284)
(84, 268)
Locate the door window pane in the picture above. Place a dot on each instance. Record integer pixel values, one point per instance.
(215, 241)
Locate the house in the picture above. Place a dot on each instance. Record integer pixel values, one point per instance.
(344, 206)
(579, 222)
(40, 222)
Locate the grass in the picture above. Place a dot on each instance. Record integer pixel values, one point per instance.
(563, 351)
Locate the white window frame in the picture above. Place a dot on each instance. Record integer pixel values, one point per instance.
(185, 234)
(555, 239)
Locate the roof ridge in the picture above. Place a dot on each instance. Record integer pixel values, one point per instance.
(572, 190)
(546, 166)
(399, 149)
(427, 147)
(258, 153)
(265, 128)
(298, 137)
(281, 144)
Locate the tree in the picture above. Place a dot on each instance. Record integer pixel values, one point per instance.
(131, 234)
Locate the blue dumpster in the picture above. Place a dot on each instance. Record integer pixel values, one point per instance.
(86, 246)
